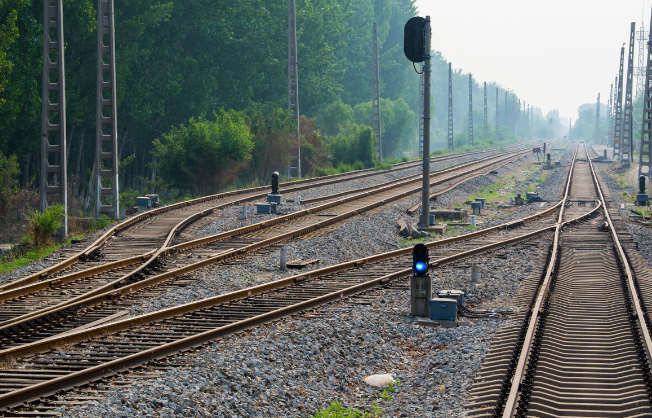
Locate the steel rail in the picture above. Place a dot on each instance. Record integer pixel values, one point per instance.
(512, 399)
(173, 311)
(112, 367)
(165, 249)
(314, 182)
(104, 291)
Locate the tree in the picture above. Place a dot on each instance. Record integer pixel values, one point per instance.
(205, 155)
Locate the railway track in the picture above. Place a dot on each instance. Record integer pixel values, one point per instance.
(84, 355)
(146, 232)
(36, 305)
(583, 347)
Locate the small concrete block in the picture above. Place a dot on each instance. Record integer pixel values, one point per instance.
(450, 215)
(425, 322)
(436, 229)
(403, 228)
(274, 198)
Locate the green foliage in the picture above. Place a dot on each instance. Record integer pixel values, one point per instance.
(8, 172)
(398, 128)
(334, 118)
(270, 129)
(336, 410)
(205, 155)
(128, 198)
(101, 222)
(356, 144)
(44, 224)
(11, 263)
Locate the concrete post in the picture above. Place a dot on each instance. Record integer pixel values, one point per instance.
(475, 274)
(284, 259)
(244, 212)
(420, 295)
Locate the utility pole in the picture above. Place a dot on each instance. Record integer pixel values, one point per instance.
(570, 126)
(106, 139)
(496, 127)
(626, 153)
(640, 67)
(471, 109)
(53, 112)
(609, 118)
(451, 143)
(424, 222)
(486, 128)
(376, 97)
(293, 81)
(645, 152)
(421, 86)
(505, 120)
(597, 121)
(618, 126)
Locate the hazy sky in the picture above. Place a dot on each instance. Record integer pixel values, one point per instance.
(554, 54)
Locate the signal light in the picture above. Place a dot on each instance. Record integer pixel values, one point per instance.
(413, 39)
(420, 260)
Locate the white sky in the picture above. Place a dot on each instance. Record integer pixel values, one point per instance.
(557, 54)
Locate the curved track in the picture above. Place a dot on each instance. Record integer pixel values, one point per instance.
(158, 334)
(35, 305)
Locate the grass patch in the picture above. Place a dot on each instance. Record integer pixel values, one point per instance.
(336, 410)
(33, 254)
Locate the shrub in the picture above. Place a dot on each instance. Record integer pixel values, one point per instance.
(128, 198)
(43, 224)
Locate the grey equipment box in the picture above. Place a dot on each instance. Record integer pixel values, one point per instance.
(263, 208)
(443, 309)
(451, 294)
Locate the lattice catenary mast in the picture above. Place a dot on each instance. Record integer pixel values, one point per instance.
(645, 156)
(609, 118)
(486, 128)
(106, 145)
(293, 81)
(496, 127)
(640, 65)
(376, 97)
(597, 121)
(618, 125)
(451, 143)
(53, 112)
(626, 150)
(471, 109)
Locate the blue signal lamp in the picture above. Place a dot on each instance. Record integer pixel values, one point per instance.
(420, 267)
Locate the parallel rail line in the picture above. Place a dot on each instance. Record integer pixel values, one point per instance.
(130, 282)
(171, 330)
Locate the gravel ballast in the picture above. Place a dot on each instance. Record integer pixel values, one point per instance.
(299, 365)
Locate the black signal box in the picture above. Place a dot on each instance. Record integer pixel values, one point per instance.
(413, 39)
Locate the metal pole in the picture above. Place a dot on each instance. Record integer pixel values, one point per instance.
(376, 96)
(421, 112)
(451, 142)
(609, 117)
(618, 126)
(486, 130)
(293, 79)
(597, 121)
(471, 109)
(53, 112)
(626, 154)
(106, 144)
(496, 127)
(645, 154)
(424, 222)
